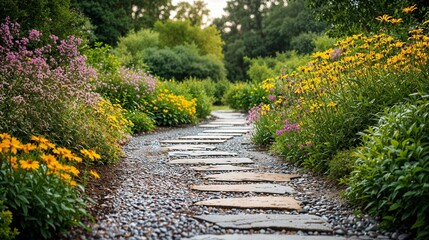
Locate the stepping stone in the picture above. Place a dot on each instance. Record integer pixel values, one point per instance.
(259, 188)
(211, 161)
(221, 168)
(221, 134)
(280, 203)
(182, 141)
(200, 137)
(264, 237)
(228, 123)
(273, 221)
(189, 147)
(226, 131)
(251, 177)
(214, 125)
(201, 153)
(236, 128)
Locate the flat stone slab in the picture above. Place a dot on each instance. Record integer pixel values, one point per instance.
(236, 128)
(214, 125)
(201, 153)
(280, 203)
(211, 161)
(182, 141)
(218, 137)
(221, 168)
(226, 131)
(274, 221)
(251, 177)
(259, 188)
(264, 237)
(221, 134)
(188, 147)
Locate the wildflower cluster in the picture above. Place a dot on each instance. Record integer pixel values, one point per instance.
(168, 109)
(40, 183)
(319, 108)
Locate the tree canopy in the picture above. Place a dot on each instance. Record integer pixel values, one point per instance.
(197, 12)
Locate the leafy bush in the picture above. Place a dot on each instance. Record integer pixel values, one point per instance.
(221, 88)
(341, 165)
(6, 232)
(131, 48)
(303, 43)
(183, 61)
(237, 96)
(141, 121)
(168, 109)
(391, 177)
(38, 182)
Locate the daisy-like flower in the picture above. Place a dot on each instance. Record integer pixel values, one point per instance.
(91, 154)
(29, 164)
(409, 9)
(94, 174)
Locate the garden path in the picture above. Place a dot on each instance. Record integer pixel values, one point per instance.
(209, 182)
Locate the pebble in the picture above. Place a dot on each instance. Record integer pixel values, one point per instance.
(154, 200)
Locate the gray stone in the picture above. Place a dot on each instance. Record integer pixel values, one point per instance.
(182, 141)
(251, 177)
(258, 187)
(211, 161)
(264, 237)
(273, 221)
(201, 153)
(187, 147)
(227, 131)
(221, 134)
(200, 137)
(221, 168)
(283, 203)
(215, 125)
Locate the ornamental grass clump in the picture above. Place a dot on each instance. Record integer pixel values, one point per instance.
(43, 185)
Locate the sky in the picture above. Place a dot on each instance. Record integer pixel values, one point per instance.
(215, 6)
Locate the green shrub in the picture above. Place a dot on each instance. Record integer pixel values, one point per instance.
(238, 96)
(221, 88)
(303, 43)
(6, 232)
(141, 121)
(391, 177)
(341, 165)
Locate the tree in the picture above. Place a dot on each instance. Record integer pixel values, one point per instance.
(197, 12)
(50, 17)
(349, 17)
(254, 28)
(115, 18)
(174, 33)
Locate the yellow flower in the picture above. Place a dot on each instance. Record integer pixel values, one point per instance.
(165, 111)
(384, 18)
(29, 164)
(13, 163)
(155, 108)
(5, 136)
(91, 154)
(395, 21)
(94, 174)
(409, 9)
(28, 147)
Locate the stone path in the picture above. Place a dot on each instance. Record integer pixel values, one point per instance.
(228, 125)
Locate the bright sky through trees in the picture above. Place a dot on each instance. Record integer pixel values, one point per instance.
(215, 6)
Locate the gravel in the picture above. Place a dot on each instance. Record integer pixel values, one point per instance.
(154, 201)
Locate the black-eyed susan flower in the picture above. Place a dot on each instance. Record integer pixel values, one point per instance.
(94, 174)
(29, 164)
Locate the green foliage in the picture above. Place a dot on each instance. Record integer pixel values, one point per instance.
(176, 33)
(323, 42)
(303, 43)
(131, 48)
(102, 58)
(221, 87)
(262, 28)
(50, 17)
(6, 232)
(391, 177)
(341, 165)
(141, 121)
(201, 90)
(348, 17)
(244, 96)
(262, 68)
(183, 62)
(197, 12)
